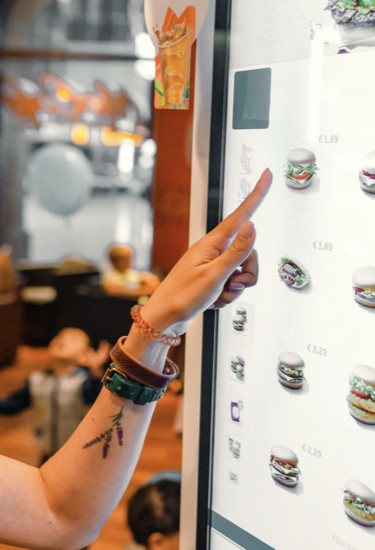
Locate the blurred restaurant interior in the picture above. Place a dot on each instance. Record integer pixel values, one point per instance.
(85, 162)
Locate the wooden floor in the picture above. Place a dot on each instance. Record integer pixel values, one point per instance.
(162, 449)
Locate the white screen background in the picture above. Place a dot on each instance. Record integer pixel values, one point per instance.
(323, 103)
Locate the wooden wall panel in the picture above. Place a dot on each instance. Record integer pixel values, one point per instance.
(171, 190)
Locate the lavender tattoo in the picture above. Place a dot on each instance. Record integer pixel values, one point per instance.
(107, 436)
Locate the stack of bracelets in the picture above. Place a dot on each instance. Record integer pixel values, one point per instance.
(128, 378)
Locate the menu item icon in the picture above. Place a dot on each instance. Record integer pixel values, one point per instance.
(237, 365)
(361, 399)
(238, 323)
(290, 370)
(359, 503)
(234, 448)
(355, 21)
(353, 13)
(367, 173)
(233, 478)
(240, 319)
(245, 159)
(359, 13)
(235, 411)
(284, 466)
(292, 273)
(300, 169)
(364, 286)
(245, 187)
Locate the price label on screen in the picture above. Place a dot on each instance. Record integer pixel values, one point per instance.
(317, 350)
(312, 451)
(323, 246)
(328, 139)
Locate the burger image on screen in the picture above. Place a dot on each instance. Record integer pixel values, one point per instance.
(283, 466)
(237, 365)
(360, 13)
(355, 21)
(300, 169)
(364, 286)
(359, 503)
(361, 398)
(240, 318)
(238, 323)
(241, 310)
(367, 174)
(292, 273)
(290, 370)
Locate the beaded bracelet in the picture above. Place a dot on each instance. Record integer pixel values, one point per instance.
(135, 313)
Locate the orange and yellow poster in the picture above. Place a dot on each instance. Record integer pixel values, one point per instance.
(173, 27)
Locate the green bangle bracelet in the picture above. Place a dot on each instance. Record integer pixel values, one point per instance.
(117, 382)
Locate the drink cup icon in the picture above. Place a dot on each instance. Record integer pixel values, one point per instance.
(175, 70)
(235, 411)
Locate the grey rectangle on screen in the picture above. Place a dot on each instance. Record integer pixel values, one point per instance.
(252, 98)
(236, 534)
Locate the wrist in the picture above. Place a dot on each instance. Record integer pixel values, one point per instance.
(158, 317)
(150, 352)
(150, 343)
(164, 322)
(130, 378)
(151, 332)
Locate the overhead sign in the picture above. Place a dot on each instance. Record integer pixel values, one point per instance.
(53, 98)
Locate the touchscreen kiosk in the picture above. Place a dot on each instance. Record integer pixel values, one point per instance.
(290, 457)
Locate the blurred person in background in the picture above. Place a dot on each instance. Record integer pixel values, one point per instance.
(153, 515)
(60, 395)
(122, 279)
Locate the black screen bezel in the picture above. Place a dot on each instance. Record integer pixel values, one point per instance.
(210, 319)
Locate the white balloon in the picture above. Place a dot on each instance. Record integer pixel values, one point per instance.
(60, 177)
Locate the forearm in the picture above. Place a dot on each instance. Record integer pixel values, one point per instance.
(93, 477)
(82, 485)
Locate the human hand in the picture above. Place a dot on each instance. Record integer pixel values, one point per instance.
(213, 272)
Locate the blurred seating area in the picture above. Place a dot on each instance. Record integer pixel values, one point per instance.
(11, 323)
(56, 296)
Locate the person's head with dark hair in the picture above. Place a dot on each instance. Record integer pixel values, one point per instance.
(154, 512)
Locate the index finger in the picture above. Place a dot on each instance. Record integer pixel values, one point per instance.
(246, 209)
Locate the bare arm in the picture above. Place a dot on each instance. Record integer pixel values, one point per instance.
(64, 504)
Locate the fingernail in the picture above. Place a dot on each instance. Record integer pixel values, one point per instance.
(236, 286)
(247, 230)
(268, 173)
